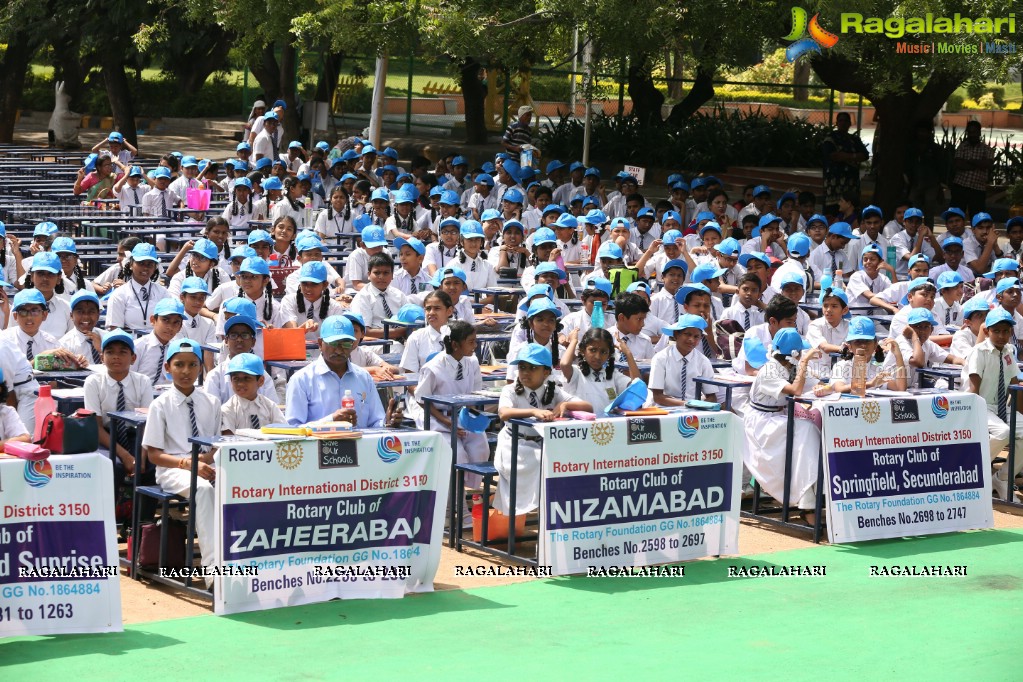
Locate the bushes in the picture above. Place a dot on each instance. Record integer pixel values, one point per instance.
(704, 142)
(954, 104)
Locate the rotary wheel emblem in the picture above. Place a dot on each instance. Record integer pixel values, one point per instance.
(871, 411)
(289, 454)
(602, 433)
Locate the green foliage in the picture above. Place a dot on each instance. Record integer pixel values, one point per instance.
(551, 88)
(773, 69)
(705, 142)
(975, 90)
(1014, 195)
(954, 104)
(998, 95)
(779, 97)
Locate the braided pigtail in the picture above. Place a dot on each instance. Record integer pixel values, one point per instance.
(325, 303)
(519, 388)
(301, 300)
(214, 277)
(548, 393)
(268, 305)
(79, 277)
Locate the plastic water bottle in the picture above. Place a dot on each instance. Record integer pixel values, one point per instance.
(597, 318)
(859, 373)
(348, 401)
(890, 256)
(560, 262)
(826, 279)
(839, 282)
(45, 405)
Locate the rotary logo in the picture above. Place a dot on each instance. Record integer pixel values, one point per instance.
(688, 425)
(39, 473)
(602, 433)
(289, 454)
(389, 449)
(871, 411)
(939, 406)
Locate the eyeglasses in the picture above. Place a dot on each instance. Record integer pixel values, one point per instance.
(29, 312)
(66, 256)
(343, 344)
(240, 336)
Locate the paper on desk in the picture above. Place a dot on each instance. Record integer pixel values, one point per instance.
(491, 369)
(885, 393)
(256, 434)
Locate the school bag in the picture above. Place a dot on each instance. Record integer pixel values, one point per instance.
(622, 279)
(729, 335)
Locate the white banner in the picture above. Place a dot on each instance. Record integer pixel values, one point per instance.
(906, 466)
(58, 547)
(637, 172)
(640, 491)
(304, 521)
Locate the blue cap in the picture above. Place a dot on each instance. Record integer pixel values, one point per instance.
(705, 271)
(817, 218)
(45, 229)
(484, 179)
(368, 149)
(873, 248)
(632, 398)
(698, 182)
(601, 284)
(998, 315)
(273, 183)
(28, 297)
(242, 252)
(976, 305)
(913, 213)
(792, 278)
(673, 178)
(313, 271)
(684, 291)
(141, 252)
(390, 152)
(362, 222)
(450, 271)
(646, 212)
(544, 235)
(755, 352)
(1012, 222)
(183, 346)
(542, 305)
(546, 267)
(205, 248)
(64, 245)
(513, 195)
(787, 196)
(448, 197)
(1006, 284)
(685, 321)
(118, 335)
(355, 318)
(949, 279)
(413, 243)
(245, 363)
(161, 172)
(1000, 265)
(576, 165)
(918, 315)
(83, 295)
(337, 328)
(471, 229)
(671, 236)
(410, 313)
(189, 162)
(47, 261)
(871, 210)
(380, 194)
(766, 220)
(553, 165)
(533, 354)
(918, 283)
(243, 166)
(346, 177)
(89, 164)
(745, 258)
(373, 236)
(256, 266)
(247, 320)
(680, 184)
(636, 286)
(677, 263)
(609, 250)
(403, 196)
(842, 230)
(672, 215)
(712, 225)
(136, 172)
(799, 244)
(703, 215)
(595, 217)
(349, 155)
(459, 161)
(730, 246)
(837, 293)
(488, 168)
(243, 182)
(473, 421)
(788, 340)
(592, 171)
(491, 214)
(115, 137)
(761, 189)
(565, 220)
(919, 257)
(952, 210)
(169, 306)
(239, 305)
(308, 242)
(950, 241)
(556, 208)
(860, 329)
(257, 236)
(194, 285)
(513, 224)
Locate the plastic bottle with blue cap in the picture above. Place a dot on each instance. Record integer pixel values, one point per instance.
(597, 317)
(827, 279)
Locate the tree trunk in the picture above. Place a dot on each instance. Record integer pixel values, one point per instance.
(801, 77)
(13, 68)
(196, 67)
(646, 99)
(331, 74)
(119, 94)
(701, 92)
(474, 94)
(288, 92)
(70, 68)
(675, 84)
(267, 71)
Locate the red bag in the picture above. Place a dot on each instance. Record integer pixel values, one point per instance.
(70, 435)
(149, 547)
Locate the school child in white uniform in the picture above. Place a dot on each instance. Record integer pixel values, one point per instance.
(311, 303)
(828, 331)
(84, 339)
(675, 368)
(151, 348)
(45, 276)
(242, 208)
(869, 281)
(28, 314)
(541, 326)
(378, 300)
(132, 192)
(966, 338)
(472, 259)
(247, 408)
(744, 308)
(132, 303)
(862, 336)
(948, 310)
(916, 348)
(662, 302)
(422, 344)
(596, 289)
(533, 395)
(589, 368)
(239, 337)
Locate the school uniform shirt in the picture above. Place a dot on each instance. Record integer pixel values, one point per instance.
(315, 392)
(792, 265)
(39, 343)
(420, 346)
(10, 424)
(971, 247)
(518, 339)
(963, 342)
(130, 198)
(948, 315)
(150, 354)
(80, 344)
(642, 240)
(479, 203)
(664, 306)
(158, 202)
(819, 332)
(335, 223)
(652, 327)
(639, 344)
(582, 321)
(265, 146)
(239, 215)
(357, 266)
(291, 281)
(823, 258)
(842, 371)
(479, 272)
(463, 310)
(1007, 252)
(108, 276)
(655, 264)
(132, 304)
(563, 194)
(439, 255)
(181, 185)
(733, 274)
(455, 186)
(369, 302)
(861, 288)
(666, 372)
(174, 287)
(747, 317)
(964, 271)
(168, 427)
(856, 246)
(933, 355)
(987, 361)
(101, 393)
(411, 285)
(899, 323)
(290, 312)
(276, 319)
(595, 388)
(759, 331)
(218, 384)
(395, 225)
(303, 218)
(200, 329)
(238, 413)
(903, 244)
(753, 245)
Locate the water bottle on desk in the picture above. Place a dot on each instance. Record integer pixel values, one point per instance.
(597, 317)
(827, 279)
(839, 282)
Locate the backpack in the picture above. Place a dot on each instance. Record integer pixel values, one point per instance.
(622, 279)
(729, 335)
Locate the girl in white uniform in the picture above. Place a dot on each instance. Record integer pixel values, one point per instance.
(311, 303)
(534, 395)
(862, 337)
(338, 218)
(541, 326)
(242, 209)
(594, 378)
(472, 259)
(766, 423)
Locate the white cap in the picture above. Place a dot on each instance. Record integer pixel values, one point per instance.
(525, 108)
(259, 103)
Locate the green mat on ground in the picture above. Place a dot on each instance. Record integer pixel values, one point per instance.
(845, 626)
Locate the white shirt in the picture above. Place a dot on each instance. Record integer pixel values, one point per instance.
(335, 223)
(236, 413)
(479, 272)
(101, 393)
(11, 424)
(129, 307)
(151, 202)
(149, 359)
(639, 344)
(664, 306)
(369, 303)
(438, 377)
(820, 332)
(439, 255)
(410, 285)
(239, 215)
(861, 287)
(903, 244)
(933, 355)
(79, 344)
(963, 342)
(737, 312)
(174, 287)
(290, 312)
(218, 384)
(40, 342)
(130, 198)
(357, 266)
(856, 246)
(595, 388)
(168, 427)
(291, 283)
(985, 361)
(964, 271)
(666, 372)
(200, 329)
(420, 346)
(948, 315)
(820, 259)
(263, 146)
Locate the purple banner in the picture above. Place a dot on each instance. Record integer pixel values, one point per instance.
(51, 545)
(623, 497)
(857, 474)
(330, 524)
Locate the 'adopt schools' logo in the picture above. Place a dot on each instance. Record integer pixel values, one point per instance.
(389, 449)
(38, 473)
(688, 425)
(803, 45)
(939, 406)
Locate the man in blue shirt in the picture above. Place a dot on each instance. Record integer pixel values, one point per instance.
(315, 392)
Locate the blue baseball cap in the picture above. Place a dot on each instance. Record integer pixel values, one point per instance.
(786, 341)
(410, 313)
(448, 197)
(646, 212)
(349, 155)
(1012, 222)
(609, 250)
(141, 252)
(488, 168)
(403, 196)
(975, 305)
(799, 244)
(546, 267)
(513, 224)
(355, 318)
(243, 166)
(952, 210)
(817, 218)
(842, 230)
(450, 222)
(118, 335)
(871, 210)
(620, 222)
(473, 421)
(242, 252)
(761, 189)
(712, 225)
(1000, 265)
(698, 182)
(136, 172)
(998, 315)
(368, 149)
(239, 305)
(337, 328)
(766, 220)
(243, 182)
(491, 214)
(513, 195)
(706, 271)
(951, 240)
(787, 196)
(450, 271)
(982, 218)
(595, 217)
(273, 183)
(755, 352)
(413, 243)
(47, 261)
(169, 306)
(189, 162)
(873, 248)
(632, 398)
(949, 279)
(684, 291)
(731, 247)
(685, 321)
(913, 213)
(257, 236)
(390, 152)
(64, 245)
(205, 248)
(459, 161)
(835, 292)
(373, 236)
(566, 221)
(919, 315)
(553, 165)
(636, 286)
(256, 266)
(745, 258)
(245, 363)
(308, 242)
(183, 346)
(860, 329)
(1006, 284)
(248, 320)
(28, 297)
(313, 271)
(542, 305)
(919, 283)
(45, 229)
(533, 354)
(89, 164)
(671, 236)
(919, 257)
(83, 295)
(471, 229)
(544, 235)
(115, 137)
(673, 215)
(161, 172)
(676, 263)
(792, 278)
(484, 179)
(194, 285)
(555, 208)
(601, 284)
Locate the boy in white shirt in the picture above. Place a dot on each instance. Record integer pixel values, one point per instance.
(663, 303)
(412, 278)
(239, 337)
(28, 312)
(916, 238)
(868, 281)
(248, 408)
(674, 369)
(744, 308)
(379, 300)
(630, 317)
(151, 349)
(799, 246)
(792, 289)
(84, 340)
(972, 331)
(832, 254)
(159, 200)
(132, 191)
(921, 294)
(918, 351)
(828, 332)
(195, 326)
(890, 300)
(947, 308)
(953, 248)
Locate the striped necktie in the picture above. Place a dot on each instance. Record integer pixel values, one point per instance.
(135, 192)
(706, 347)
(28, 351)
(191, 417)
(195, 323)
(383, 300)
(684, 378)
(676, 310)
(621, 355)
(948, 316)
(459, 375)
(122, 428)
(1002, 395)
(745, 321)
(834, 262)
(96, 357)
(163, 203)
(532, 399)
(253, 421)
(158, 374)
(309, 312)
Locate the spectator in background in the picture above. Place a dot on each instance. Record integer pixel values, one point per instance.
(519, 132)
(972, 162)
(924, 172)
(843, 153)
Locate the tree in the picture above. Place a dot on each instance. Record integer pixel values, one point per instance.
(24, 27)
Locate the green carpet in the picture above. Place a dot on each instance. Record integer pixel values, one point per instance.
(845, 626)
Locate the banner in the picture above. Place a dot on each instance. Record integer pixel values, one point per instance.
(58, 546)
(304, 521)
(640, 491)
(906, 466)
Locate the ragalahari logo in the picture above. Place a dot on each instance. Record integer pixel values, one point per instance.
(817, 39)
